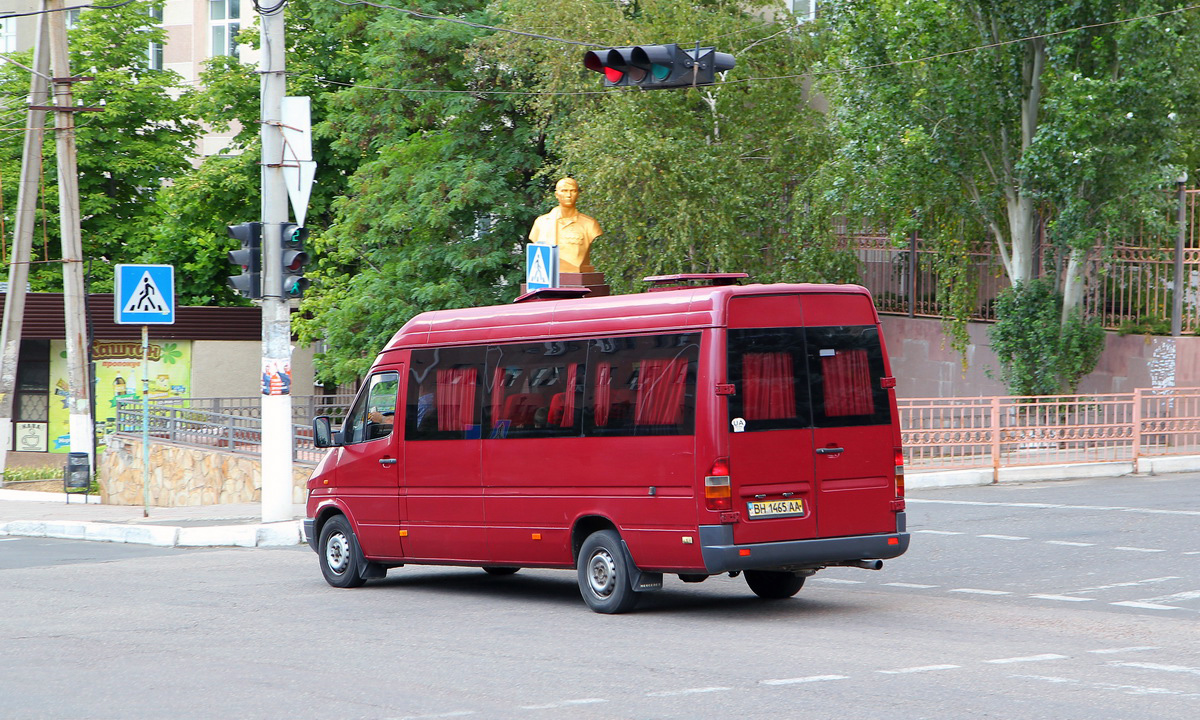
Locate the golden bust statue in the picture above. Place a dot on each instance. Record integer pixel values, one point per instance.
(569, 229)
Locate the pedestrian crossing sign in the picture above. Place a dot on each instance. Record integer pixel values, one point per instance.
(144, 295)
(541, 266)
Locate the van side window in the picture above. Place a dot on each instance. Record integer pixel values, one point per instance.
(642, 385)
(374, 411)
(768, 368)
(534, 389)
(845, 367)
(444, 394)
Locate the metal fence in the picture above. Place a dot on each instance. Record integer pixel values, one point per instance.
(1129, 286)
(229, 424)
(995, 432)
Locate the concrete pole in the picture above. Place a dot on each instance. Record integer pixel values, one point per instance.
(276, 317)
(78, 400)
(18, 269)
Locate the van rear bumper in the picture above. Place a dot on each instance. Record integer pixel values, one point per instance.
(722, 555)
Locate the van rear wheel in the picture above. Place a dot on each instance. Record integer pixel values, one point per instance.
(773, 585)
(604, 575)
(339, 554)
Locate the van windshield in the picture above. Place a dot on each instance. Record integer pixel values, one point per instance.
(806, 377)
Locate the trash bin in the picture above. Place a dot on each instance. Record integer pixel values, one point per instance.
(77, 474)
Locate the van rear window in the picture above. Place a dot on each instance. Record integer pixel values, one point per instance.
(807, 377)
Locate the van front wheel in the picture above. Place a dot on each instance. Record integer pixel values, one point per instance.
(338, 550)
(603, 574)
(772, 585)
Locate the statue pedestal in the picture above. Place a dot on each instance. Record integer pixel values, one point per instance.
(593, 281)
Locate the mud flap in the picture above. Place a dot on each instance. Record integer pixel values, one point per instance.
(641, 581)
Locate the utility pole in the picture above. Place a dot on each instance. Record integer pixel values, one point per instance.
(276, 314)
(78, 402)
(18, 269)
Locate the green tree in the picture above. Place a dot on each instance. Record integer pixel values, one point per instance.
(717, 178)
(144, 135)
(1055, 109)
(438, 191)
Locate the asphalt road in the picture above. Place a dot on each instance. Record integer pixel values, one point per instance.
(1053, 600)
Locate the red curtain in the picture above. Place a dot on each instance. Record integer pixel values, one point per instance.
(568, 412)
(603, 394)
(456, 398)
(847, 383)
(660, 391)
(768, 386)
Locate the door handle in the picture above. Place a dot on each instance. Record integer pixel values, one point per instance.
(830, 451)
(388, 461)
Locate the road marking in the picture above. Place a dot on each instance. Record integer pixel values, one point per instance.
(1134, 648)
(1138, 549)
(918, 669)
(1055, 506)
(1064, 598)
(1145, 605)
(452, 714)
(564, 703)
(1134, 583)
(1068, 543)
(1046, 678)
(914, 586)
(1186, 595)
(689, 691)
(9, 539)
(977, 591)
(1003, 537)
(937, 532)
(809, 679)
(840, 581)
(1127, 689)
(1027, 658)
(1156, 666)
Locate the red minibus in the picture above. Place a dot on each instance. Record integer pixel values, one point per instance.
(689, 430)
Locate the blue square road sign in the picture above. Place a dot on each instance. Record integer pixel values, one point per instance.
(145, 295)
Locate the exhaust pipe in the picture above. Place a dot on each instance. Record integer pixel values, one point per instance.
(864, 564)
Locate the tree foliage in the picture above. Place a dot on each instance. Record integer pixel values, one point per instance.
(983, 119)
(144, 135)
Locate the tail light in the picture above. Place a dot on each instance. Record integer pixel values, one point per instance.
(718, 495)
(900, 473)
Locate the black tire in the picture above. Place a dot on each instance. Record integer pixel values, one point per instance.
(603, 574)
(499, 571)
(339, 554)
(772, 585)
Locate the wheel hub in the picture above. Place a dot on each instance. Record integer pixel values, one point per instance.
(602, 573)
(337, 553)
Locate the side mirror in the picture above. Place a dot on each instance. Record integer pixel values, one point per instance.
(323, 435)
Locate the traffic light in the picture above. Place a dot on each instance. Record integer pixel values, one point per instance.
(249, 258)
(658, 66)
(293, 259)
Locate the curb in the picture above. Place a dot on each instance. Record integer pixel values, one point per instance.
(281, 534)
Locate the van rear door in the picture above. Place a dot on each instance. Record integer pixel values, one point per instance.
(854, 438)
(770, 430)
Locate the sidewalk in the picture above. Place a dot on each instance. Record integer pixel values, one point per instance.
(35, 514)
(38, 514)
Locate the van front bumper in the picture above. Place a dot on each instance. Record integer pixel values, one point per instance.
(722, 555)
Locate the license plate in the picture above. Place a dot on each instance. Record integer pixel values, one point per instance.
(775, 508)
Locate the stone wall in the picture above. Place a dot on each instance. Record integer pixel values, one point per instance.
(181, 476)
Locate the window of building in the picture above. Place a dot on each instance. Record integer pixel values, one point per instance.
(804, 10)
(224, 23)
(154, 53)
(8, 35)
(33, 382)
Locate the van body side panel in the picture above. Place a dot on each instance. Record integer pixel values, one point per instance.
(541, 487)
(444, 498)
